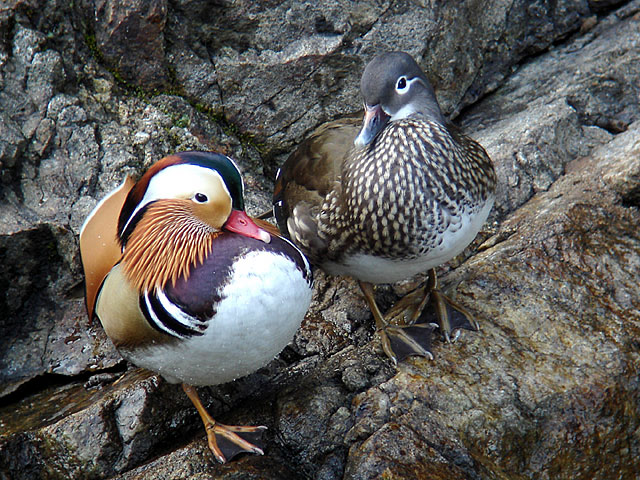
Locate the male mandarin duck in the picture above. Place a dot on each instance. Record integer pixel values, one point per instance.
(187, 285)
(382, 200)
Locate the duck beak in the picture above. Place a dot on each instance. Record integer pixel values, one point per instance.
(374, 120)
(239, 222)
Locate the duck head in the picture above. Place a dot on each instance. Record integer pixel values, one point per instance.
(394, 87)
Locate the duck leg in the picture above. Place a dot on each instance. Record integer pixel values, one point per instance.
(408, 327)
(428, 304)
(450, 316)
(225, 441)
(400, 341)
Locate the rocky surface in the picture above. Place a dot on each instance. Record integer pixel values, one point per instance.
(92, 90)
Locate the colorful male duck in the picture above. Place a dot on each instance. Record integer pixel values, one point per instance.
(383, 201)
(187, 285)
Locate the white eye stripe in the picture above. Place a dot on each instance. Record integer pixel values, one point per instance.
(406, 111)
(174, 182)
(407, 84)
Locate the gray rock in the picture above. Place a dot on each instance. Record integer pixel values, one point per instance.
(129, 37)
(558, 107)
(284, 69)
(12, 144)
(43, 332)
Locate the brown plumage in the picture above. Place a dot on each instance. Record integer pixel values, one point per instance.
(404, 195)
(99, 245)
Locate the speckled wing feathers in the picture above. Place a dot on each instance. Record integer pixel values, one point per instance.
(403, 192)
(307, 177)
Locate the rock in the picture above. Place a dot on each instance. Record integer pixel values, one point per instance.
(566, 334)
(42, 334)
(284, 69)
(98, 432)
(561, 112)
(129, 37)
(547, 389)
(600, 5)
(12, 144)
(192, 462)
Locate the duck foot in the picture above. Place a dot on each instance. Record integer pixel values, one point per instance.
(408, 327)
(408, 340)
(427, 304)
(450, 316)
(226, 441)
(402, 338)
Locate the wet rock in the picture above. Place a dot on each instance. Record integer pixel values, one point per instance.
(403, 454)
(566, 333)
(95, 432)
(193, 462)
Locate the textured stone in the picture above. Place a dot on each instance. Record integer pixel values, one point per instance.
(565, 334)
(558, 107)
(12, 144)
(40, 333)
(99, 431)
(285, 68)
(129, 36)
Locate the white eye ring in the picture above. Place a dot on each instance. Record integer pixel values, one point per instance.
(200, 198)
(402, 85)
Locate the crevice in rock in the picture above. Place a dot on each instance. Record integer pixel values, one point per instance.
(631, 199)
(32, 259)
(605, 7)
(47, 381)
(609, 123)
(363, 33)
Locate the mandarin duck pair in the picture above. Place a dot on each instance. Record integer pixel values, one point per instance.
(187, 285)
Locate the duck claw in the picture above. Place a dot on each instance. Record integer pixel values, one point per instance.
(408, 327)
(410, 323)
(405, 341)
(226, 442)
(449, 315)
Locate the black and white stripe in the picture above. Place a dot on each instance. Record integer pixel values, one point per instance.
(166, 317)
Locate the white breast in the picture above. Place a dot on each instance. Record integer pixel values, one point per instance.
(262, 307)
(376, 269)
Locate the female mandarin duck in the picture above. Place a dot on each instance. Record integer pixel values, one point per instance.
(188, 286)
(383, 201)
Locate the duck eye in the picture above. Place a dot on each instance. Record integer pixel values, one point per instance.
(401, 86)
(200, 198)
